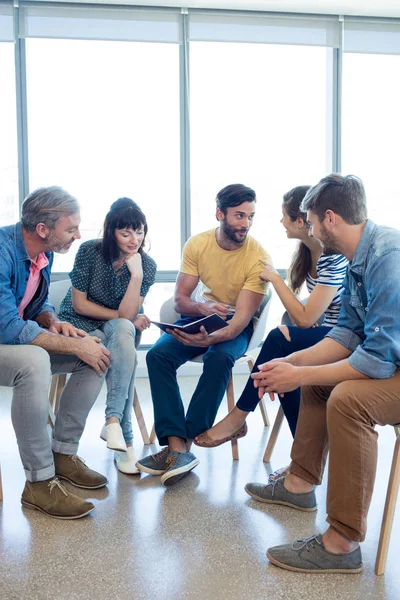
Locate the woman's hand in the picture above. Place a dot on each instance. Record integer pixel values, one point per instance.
(134, 264)
(268, 273)
(141, 322)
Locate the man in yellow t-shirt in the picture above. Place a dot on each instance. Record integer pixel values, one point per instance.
(219, 274)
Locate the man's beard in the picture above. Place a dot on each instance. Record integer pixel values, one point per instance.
(231, 232)
(55, 245)
(329, 243)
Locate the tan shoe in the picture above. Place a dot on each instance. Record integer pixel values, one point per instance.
(73, 469)
(52, 499)
(205, 441)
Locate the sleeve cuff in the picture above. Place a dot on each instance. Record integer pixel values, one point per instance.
(29, 332)
(370, 365)
(345, 337)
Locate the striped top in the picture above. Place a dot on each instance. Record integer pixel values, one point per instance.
(331, 271)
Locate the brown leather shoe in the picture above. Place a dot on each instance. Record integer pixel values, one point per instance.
(73, 469)
(205, 441)
(52, 499)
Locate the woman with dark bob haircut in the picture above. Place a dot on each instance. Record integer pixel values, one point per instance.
(110, 279)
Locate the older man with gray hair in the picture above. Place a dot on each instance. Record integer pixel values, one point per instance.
(34, 344)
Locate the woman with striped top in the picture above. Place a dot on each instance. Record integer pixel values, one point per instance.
(323, 275)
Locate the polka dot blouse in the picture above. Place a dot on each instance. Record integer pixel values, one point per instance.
(102, 284)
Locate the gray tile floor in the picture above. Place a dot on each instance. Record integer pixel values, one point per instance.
(201, 539)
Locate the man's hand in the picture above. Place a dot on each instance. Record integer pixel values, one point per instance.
(66, 329)
(201, 339)
(276, 377)
(92, 352)
(221, 309)
(142, 322)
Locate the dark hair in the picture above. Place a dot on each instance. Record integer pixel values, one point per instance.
(345, 196)
(234, 195)
(46, 205)
(301, 260)
(123, 213)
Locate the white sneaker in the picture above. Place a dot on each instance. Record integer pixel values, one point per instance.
(125, 461)
(112, 434)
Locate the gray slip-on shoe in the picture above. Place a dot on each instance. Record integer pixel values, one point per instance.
(179, 464)
(309, 555)
(276, 493)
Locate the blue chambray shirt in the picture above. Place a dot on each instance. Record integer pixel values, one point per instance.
(14, 274)
(369, 320)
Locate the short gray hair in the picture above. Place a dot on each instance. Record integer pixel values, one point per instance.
(344, 195)
(46, 205)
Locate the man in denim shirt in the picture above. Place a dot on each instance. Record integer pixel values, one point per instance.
(34, 344)
(350, 383)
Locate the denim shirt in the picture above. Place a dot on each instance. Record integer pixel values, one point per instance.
(369, 320)
(15, 267)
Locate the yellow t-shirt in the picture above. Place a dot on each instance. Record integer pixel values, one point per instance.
(223, 273)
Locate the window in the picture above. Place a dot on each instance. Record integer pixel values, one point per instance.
(103, 122)
(259, 116)
(371, 130)
(9, 210)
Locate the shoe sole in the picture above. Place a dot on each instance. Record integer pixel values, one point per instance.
(177, 474)
(148, 470)
(79, 485)
(34, 507)
(120, 449)
(135, 471)
(315, 571)
(281, 502)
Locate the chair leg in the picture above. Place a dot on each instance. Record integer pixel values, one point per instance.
(1, 488)
(152, 435)
(62, 380)
(57, 385)
(52, 394)
(261, 404)
(388, 513)
(140, 419)
(274, 435)
(264, 413)
(231, 403)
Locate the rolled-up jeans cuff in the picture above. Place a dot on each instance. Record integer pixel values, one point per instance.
(349, 532)
(295, 469)
(64, 447)
(41, 475)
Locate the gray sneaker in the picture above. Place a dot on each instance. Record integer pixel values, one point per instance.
(155, 464)
(310, 556)
(178, 465)
(276, 493)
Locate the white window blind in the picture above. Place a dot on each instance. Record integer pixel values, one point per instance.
(6, 23)
(372, 36)
(267, 29)
(99, 24)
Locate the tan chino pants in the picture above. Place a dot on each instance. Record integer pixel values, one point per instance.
(342, 419)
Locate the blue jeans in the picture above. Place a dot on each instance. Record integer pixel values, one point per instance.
(163, 360)
(28, 369)
(277, 346)
(118, 336)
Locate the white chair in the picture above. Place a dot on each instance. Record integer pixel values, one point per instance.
(57, 292)
(390, 505)
(169, 315)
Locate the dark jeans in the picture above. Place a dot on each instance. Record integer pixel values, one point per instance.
(163, 360)
(277, 346)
